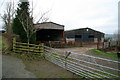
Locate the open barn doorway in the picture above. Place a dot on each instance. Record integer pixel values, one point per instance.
(44, 35)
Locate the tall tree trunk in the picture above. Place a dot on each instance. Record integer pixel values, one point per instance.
(28, 42)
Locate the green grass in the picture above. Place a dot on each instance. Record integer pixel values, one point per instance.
(113, 56)
(0, 37)
(42, 76)
(0, 41)
(64, 75)
(4, 44)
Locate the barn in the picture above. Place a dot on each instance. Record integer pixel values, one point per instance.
(84, 35)
(49, 31)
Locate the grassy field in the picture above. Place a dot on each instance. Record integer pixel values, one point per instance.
(98, 52)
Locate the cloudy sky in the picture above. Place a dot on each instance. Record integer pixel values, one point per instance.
(101, 15)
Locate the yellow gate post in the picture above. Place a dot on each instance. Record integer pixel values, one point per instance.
(14, 44)
(42, 49)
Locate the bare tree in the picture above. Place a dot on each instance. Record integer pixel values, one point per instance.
(7, 17)
(29, 26)
(43, 18)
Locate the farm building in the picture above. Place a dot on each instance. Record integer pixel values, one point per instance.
(49, 31)
(84, 35)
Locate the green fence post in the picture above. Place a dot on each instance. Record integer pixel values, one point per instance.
(42, 49)
(14, 44)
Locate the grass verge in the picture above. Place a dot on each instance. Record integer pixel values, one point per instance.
(113, 56)
(0, 44)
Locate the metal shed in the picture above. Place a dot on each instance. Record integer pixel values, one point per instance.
(84, 35)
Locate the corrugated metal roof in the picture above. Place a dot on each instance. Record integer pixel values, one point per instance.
(49, 25)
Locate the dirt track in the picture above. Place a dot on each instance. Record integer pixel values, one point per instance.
(16, 68)
(80, 49)
(46, 69)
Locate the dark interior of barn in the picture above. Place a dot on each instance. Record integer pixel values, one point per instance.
(49, 35)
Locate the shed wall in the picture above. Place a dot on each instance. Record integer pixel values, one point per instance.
(84, 35)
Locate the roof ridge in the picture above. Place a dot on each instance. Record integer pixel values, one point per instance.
(50, 22)
(84, 28)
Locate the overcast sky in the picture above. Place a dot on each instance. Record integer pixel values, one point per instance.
(101, 15)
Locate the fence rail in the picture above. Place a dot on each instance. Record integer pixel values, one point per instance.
(61, 45)
(84, 65)
(81, 64)
(25, 47)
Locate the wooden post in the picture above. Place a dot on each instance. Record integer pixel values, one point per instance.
(109, 45)
(103, 45)
(81, 44)
(41, 46)
(68, 53)
(98, 44)
(14, 44)
(118, 54)
(28, 48)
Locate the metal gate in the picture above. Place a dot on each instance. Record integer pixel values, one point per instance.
(84, 65)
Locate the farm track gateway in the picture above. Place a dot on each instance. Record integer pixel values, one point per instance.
(84, 65)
